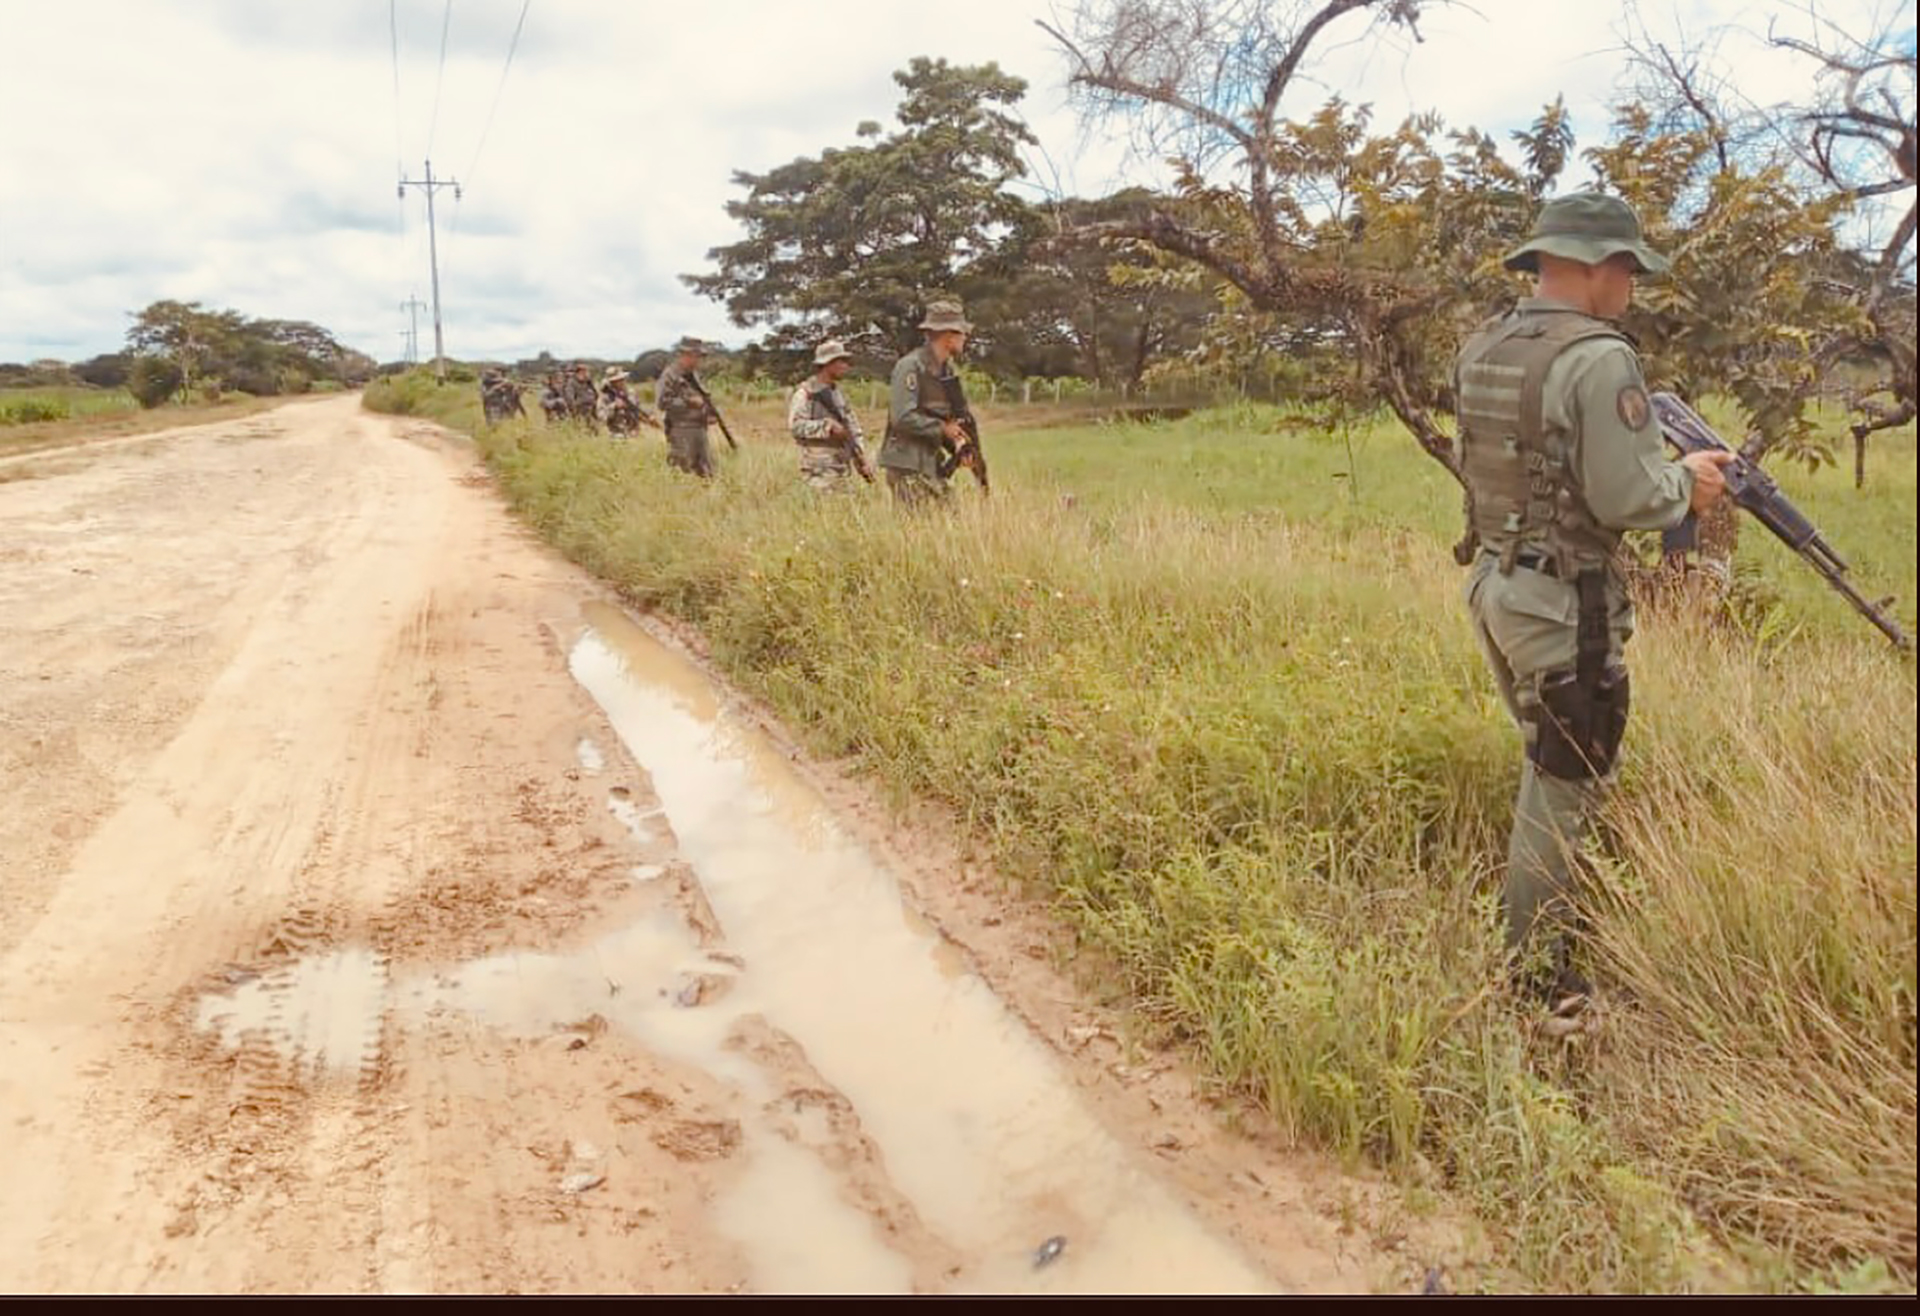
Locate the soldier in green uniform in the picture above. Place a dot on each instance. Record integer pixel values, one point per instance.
(582, 397)
(1561, 455)
(919, 416)
(685, 410)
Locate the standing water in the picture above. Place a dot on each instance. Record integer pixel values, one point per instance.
(980, 1127)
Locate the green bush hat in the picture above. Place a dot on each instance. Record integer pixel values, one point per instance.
(1587, 227)
(689, 344)
(945, 315)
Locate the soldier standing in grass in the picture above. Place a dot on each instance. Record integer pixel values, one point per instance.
(583, 398)
(919, 416)
(553, 397)
(1561, 456)
(685, 411)
(824, 425)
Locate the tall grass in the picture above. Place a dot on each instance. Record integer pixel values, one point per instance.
(1224, 708)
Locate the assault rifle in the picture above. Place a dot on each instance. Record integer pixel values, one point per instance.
(969, 455)
(693, 382)
(1754, 490)
(860, 463)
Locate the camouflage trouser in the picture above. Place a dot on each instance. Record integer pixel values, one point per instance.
(914, 489)
(1527, 625)
(689, 450)
(826, 468)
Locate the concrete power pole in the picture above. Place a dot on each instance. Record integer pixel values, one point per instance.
(413, 306)
(430, 185)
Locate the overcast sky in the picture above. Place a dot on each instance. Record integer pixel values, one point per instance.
(244, 153)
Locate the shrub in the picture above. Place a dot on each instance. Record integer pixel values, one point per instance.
(153, 380)
(26, 411)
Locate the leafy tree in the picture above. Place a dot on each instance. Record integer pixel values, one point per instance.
(1849, 142)
(1386, 246)
(227, 350)
(859, 238)
(1068, 309)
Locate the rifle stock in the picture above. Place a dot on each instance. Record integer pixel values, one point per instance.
(1755, 491)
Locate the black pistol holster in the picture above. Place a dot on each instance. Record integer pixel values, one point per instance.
(1583, 713)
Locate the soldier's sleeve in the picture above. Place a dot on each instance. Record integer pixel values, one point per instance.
(904, 404)
(853, 419)
(800, 420)
(1625, 475)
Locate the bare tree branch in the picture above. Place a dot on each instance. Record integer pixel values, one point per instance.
(1107, 77)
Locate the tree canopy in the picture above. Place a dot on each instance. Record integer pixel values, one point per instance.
(223, 349)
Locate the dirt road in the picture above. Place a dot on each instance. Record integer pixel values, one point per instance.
(381, 909)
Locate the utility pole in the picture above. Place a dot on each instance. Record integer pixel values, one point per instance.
(430, 185)
(413, 306)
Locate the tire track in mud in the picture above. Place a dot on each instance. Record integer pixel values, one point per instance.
(308, 1105)
(306, 1022)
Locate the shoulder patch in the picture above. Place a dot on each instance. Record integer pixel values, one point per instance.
(1634, 408)
(913, 381)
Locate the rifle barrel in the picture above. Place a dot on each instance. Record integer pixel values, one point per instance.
(1755, 490)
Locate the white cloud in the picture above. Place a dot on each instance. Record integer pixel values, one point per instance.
(244, 153)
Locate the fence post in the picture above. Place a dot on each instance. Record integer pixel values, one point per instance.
(1056, 388)
(1026, 392)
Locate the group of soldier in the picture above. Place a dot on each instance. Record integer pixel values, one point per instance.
(930, 433)
(1560, 456)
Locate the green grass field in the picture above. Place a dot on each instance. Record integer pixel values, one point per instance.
(1209, 687)
(26, 406)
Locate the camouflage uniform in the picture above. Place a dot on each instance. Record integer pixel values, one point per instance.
(686, 416)
(825, 461)
(917, 406)
(1560, 456)
(582, 398)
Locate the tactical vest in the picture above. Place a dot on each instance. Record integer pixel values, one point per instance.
(1521, 489)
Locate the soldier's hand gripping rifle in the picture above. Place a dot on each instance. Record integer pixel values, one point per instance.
(854, 451)
(693, 382)
(1754, 490)
(968, 454)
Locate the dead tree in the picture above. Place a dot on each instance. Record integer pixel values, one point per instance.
(1206, 79)
(1859, 138)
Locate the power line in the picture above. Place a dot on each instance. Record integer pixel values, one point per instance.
(393, 30)
(486, 128)
(446, 21)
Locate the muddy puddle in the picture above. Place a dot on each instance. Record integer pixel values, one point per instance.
(850, 1032)
(979, 1126)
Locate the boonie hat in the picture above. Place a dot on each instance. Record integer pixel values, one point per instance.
(1587, 227)
(945, 315)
